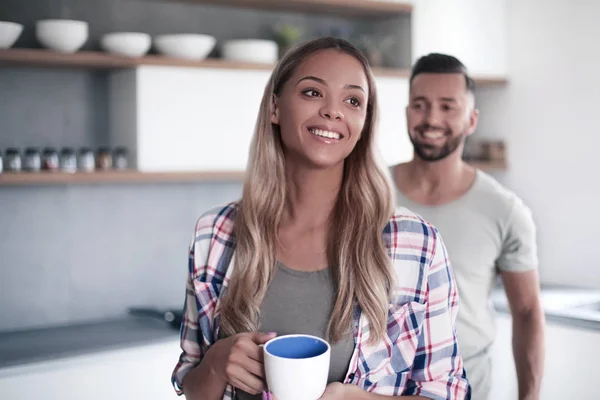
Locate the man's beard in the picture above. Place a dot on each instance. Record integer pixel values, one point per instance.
(433, 153)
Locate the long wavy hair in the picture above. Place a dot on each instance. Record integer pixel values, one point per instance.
(360, 264)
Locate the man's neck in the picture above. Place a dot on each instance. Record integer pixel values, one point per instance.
(434, 183)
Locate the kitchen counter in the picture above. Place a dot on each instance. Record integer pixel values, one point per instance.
(24, 347)
(565, 306)
(572, 307)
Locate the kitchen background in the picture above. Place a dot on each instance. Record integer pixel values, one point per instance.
(70, 245)
(86, 250)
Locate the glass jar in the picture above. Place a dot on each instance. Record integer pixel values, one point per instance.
(68, 160)
(86, 161)
(33, 160)
(50, 159)
(120, 158)
(104, 159)
(12, 160)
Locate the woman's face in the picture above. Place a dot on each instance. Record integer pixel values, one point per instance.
(322, 109)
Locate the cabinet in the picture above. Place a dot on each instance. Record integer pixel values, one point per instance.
(185, 119)
(570, 368)
(140, 373)
(472, 30)
(504, 377)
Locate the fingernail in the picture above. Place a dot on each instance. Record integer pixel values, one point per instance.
(272, 333)
(265, 396)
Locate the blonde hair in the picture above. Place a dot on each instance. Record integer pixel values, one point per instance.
(360, 264)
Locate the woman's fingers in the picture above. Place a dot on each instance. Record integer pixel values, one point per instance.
(254, 368)
(246, 381)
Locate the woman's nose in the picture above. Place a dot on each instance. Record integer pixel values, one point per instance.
(331, 113)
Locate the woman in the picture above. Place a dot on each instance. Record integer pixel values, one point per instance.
(314, 246)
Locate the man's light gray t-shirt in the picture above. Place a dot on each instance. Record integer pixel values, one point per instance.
(487, 229)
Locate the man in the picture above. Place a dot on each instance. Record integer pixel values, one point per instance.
(487, 229)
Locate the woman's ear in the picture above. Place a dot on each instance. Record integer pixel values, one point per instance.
(275, 111)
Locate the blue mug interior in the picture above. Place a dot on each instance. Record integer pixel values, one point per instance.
(296, 347)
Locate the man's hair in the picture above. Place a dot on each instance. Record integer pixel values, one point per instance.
(436, 63)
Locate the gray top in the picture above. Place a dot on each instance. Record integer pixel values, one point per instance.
(301, 302)
(486, 229)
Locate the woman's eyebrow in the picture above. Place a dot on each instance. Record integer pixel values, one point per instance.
(322, 82)
(312, 78)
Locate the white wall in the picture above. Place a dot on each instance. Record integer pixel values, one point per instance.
(472, 30)
(550, 118)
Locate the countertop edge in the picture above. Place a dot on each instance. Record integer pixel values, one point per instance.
(570, 322)
(24, 349)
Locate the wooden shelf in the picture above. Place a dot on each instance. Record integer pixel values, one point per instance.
(350, 8)
(132, 176)
(100, 60)
(489, 165)
(116, 177)
(490, 81)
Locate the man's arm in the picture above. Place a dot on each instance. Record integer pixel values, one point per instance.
(523, 293)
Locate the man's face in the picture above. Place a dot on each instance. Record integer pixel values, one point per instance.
(440, 114)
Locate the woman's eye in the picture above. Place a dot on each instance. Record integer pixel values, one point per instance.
(311, 93)
(354, 101)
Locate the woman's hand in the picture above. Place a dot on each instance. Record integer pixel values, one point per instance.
(334, 391)
(238, 360)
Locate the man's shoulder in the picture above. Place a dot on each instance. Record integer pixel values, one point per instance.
(487, 190)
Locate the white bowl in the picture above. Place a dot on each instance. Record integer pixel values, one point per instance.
(127, 44)
(64, 35)
(190, 46)
(251, 50)
(9, 33)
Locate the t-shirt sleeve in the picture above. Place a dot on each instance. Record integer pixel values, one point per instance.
(519, 245)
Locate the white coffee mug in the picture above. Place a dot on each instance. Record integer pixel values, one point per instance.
(297, 366)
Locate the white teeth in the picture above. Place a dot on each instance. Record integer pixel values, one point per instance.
(323, 133)
(433, 134)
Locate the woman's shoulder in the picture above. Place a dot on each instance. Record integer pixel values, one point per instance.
(212, 244)
(406, 223)
(412, 244)
(219, 219)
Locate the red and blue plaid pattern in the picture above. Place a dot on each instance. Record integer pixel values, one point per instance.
(418, 356)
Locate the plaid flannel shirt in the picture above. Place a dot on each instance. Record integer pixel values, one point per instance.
(418, 356)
